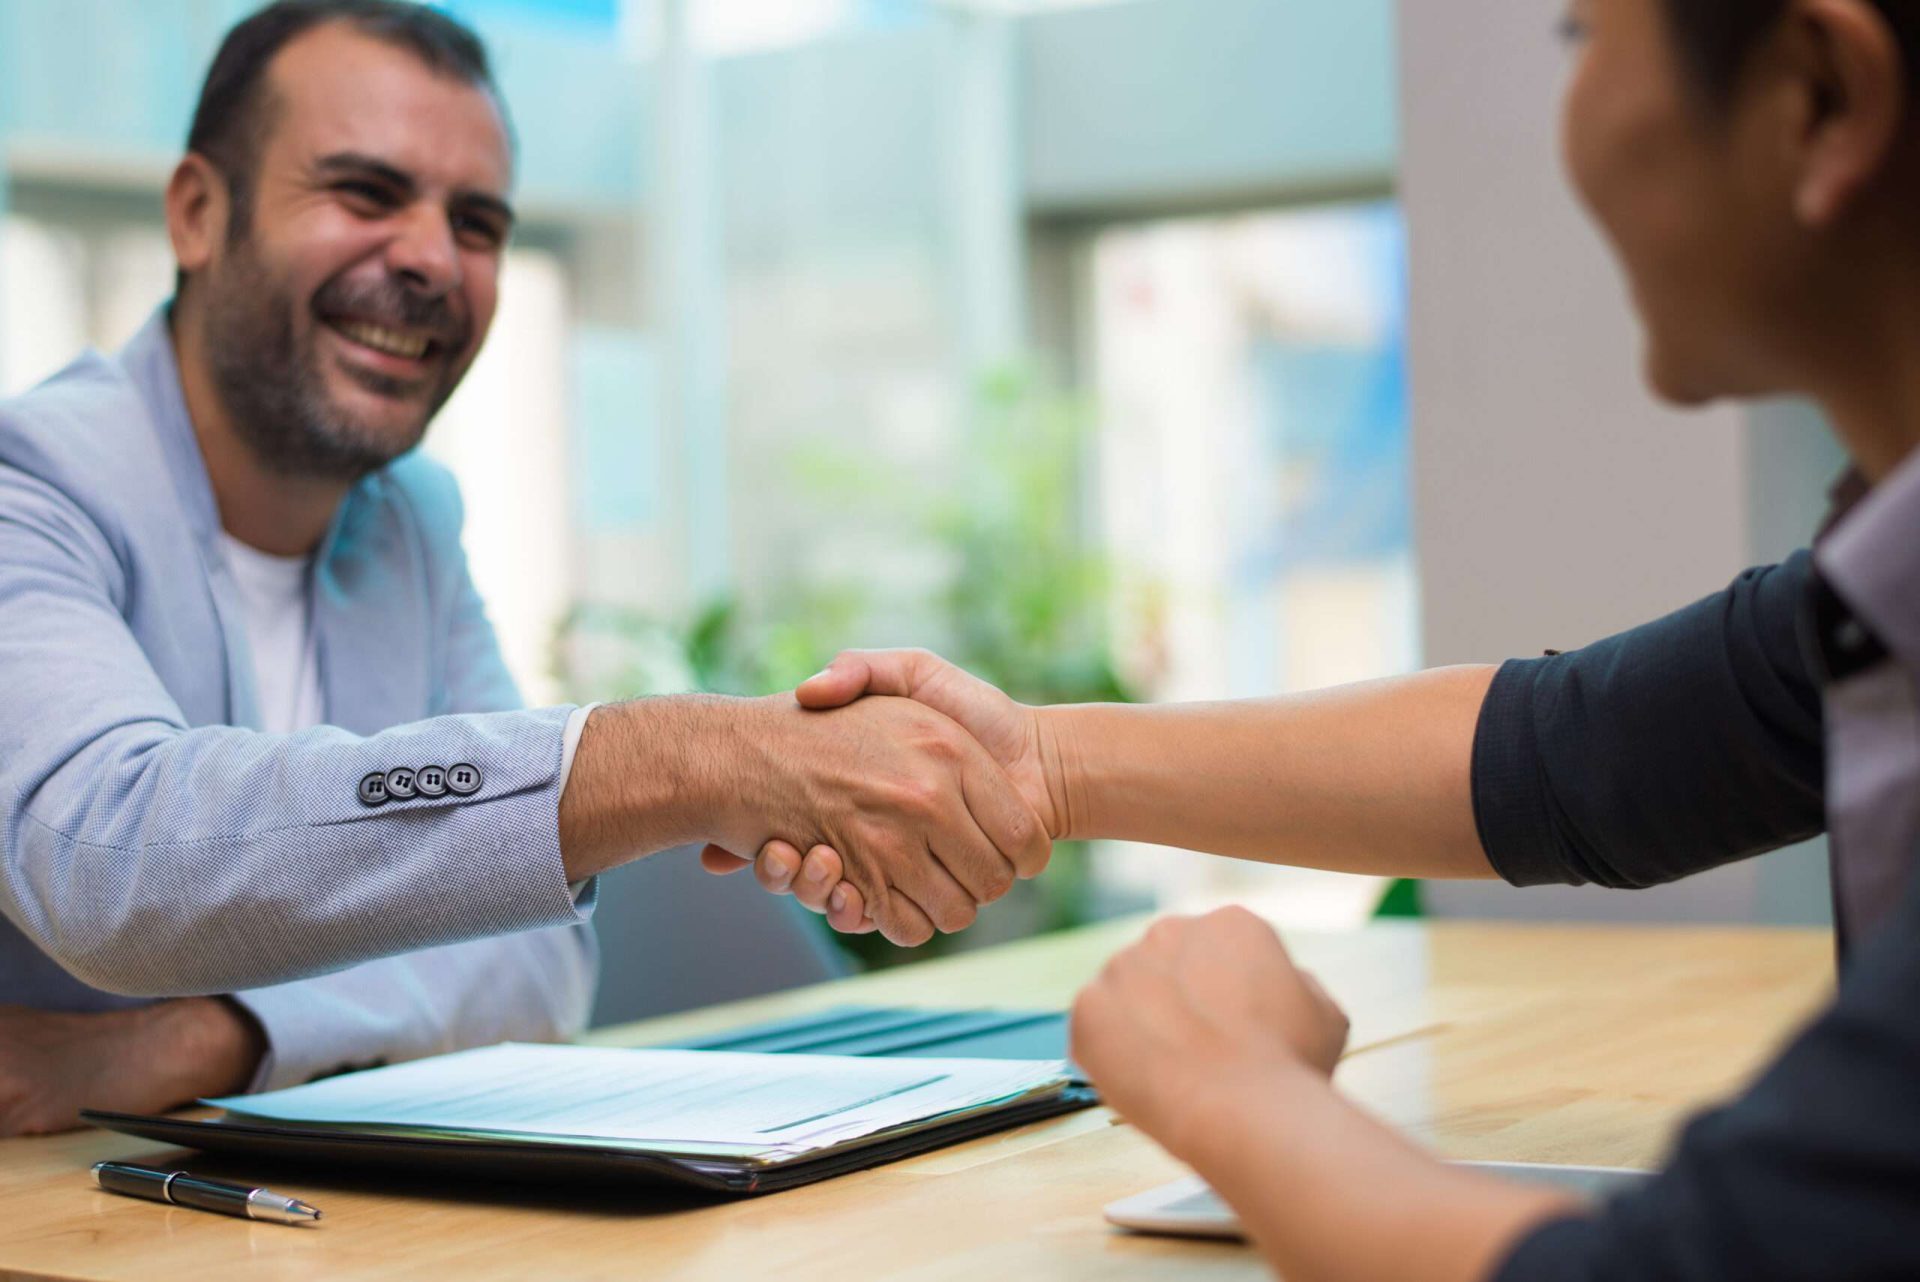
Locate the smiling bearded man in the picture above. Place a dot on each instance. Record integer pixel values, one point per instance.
(254, 724)
(338, 221)
(333, 300)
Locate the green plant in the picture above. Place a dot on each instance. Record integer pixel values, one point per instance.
(1028, 602)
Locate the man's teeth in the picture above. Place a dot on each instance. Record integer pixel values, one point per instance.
(385, 340)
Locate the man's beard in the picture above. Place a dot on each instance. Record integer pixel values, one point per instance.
(274, 389)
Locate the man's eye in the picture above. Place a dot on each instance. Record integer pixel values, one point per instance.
(366, 193)
(1572, 29)
(481, 233)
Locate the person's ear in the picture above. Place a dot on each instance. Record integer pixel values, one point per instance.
(198, 207)
(1855, 103)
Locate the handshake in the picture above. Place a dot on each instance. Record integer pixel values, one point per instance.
(930, 791)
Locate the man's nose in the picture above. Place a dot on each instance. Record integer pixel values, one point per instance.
(425, 253)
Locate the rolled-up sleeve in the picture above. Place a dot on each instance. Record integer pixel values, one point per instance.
(1662, 751)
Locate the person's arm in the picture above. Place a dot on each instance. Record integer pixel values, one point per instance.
(1665, 750)
(155, 858)
(532, 986)
(535, 986)
(1372, 777)
(1206, 1037)
(146, 1059)
(1328, 1194)
(1642, 758)
(1367, 778)
(1661, 751)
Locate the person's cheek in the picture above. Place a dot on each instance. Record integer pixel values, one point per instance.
(1601, 114)
(1574, 118)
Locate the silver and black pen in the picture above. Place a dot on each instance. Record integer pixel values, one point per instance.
(219, 1196)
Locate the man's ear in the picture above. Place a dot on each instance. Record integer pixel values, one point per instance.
(1856, 103)
(198, 207)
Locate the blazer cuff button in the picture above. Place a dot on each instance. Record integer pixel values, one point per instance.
(373, 789)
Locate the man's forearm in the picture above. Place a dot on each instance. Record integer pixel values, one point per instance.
(1330, 1195)
(205, 1045)
(1372, 778)
(929, 824)
(649, 775)
(147, 1059)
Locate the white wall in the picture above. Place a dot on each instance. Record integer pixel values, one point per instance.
(1555, 501)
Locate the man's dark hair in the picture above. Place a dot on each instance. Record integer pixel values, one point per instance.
(1716, 37)
(235, 113)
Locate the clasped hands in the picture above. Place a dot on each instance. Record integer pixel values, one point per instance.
(1215, 996)
(965, 800)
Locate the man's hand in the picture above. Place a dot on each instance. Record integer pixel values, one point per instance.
(1012, 733)
(817, 881)
(925, 823)
(1208, 1038)
(146, 1060)
(1202, 1009)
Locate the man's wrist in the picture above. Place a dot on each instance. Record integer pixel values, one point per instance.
(1235, 1117)
(205, 1046)
(1057, 733)
(649, 775)
(1325, 1190)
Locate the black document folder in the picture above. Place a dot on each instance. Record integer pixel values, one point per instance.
(559, 1162)
(845, 1030)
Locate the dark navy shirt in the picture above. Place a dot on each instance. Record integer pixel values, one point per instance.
(1694, 740)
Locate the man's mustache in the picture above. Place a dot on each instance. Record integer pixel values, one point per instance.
(394, 306)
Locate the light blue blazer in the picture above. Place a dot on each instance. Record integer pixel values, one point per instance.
(153, 842)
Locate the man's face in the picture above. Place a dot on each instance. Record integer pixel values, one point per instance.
(346, 310)
(1695, 209)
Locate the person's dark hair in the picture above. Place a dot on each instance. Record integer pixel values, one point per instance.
(1716, 37)
(235, 113)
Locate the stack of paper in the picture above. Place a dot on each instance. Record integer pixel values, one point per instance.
(759, 1108)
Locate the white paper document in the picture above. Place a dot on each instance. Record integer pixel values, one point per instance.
(666, 1100)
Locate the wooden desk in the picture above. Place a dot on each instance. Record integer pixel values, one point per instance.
(1557, 1043)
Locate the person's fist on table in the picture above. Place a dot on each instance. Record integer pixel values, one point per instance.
(1202, 1009)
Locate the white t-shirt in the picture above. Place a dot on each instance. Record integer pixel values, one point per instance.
(279, 617)
(275, 596)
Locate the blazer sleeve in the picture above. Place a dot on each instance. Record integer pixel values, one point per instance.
(529, 986)
(1668, 749)
(152, 858)
(534, 986)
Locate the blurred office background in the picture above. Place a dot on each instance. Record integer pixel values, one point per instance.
(1070, 338)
